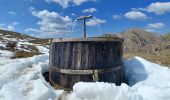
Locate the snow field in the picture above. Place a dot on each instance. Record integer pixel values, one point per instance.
(22, 79)
(148, 81)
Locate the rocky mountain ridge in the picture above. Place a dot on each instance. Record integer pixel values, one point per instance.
(138, 40)
(21, 45)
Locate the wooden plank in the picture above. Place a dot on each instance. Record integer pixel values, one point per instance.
(87, 39)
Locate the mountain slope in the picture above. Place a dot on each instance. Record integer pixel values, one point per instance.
(166, 37)
(14, 36)
(151, 46)
(21, 45)
(138, 40)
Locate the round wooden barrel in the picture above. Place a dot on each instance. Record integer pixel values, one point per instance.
(87, 60)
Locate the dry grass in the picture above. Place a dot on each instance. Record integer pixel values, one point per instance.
(159, 59)
(24, 54)
(40, 41)
(32, 47)
(15, 35)
(8, 49)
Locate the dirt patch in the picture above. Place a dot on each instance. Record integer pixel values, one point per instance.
(40, 41)
(30, 47)
(24, 54)
(159, 59)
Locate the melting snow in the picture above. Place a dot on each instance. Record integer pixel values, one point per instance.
(148, 81)
(21, 79)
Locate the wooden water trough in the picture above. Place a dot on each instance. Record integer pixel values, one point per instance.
(87, 60)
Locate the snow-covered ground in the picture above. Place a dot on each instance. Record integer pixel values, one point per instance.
(148, 81)
(21, 79)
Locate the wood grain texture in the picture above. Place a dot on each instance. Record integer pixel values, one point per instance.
(86, 55)
(88, 39)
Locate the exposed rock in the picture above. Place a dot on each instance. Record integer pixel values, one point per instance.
(11, 44)
(138, 40)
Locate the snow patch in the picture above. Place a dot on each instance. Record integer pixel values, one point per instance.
(21, 79)
(6, 54)
(149, 81)
(43, 49)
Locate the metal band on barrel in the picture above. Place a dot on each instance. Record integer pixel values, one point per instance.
(84, 72)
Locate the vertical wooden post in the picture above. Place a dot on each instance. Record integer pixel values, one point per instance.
(50, 42)
(84, 27)
(84, 23)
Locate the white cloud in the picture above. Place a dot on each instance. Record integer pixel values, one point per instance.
(150, 30)
(7, 27)
(65, 3)
(136, 15)
(15, 23)
(90, 10)
(158, 8)
(73, 14)
(52, 23)
(1, 25)
(153, 26)
(12, 13)
(156, 25)
(79, 2)
(95, 21)
(31, 8)
(32, 30)
(117, 16)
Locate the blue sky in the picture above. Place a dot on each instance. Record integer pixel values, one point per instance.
(56, 18)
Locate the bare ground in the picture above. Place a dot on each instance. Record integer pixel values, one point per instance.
(159, 59)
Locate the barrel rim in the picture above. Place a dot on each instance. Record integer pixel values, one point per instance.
(108, 39)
